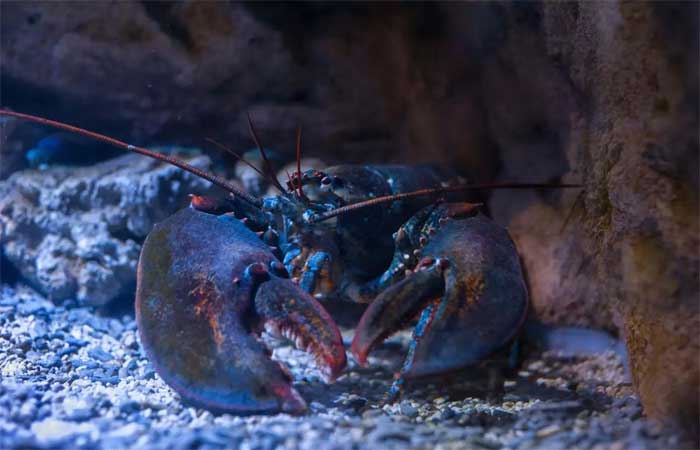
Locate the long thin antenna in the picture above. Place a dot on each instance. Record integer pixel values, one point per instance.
(268, 165)
(301, 191)
(219, 181)
(422, 192)
(237, 156)
(289, 178)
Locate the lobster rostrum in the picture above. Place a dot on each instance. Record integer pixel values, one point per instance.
(214, 275)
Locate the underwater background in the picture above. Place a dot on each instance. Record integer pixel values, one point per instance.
(599, 94)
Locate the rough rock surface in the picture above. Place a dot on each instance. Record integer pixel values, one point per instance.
(188, 70)
(76, 232)
(624, 77)
(601, 94)
(74, 379)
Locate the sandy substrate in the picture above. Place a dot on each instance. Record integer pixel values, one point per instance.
(73, 377)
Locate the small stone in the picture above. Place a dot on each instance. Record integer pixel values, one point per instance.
(40, 344)
(99, 354)
(77, 409)
(53, 433)
(129, 406)
(77, 362)
(130, 341)
(51, 361)
(66, 351)
(35, 306)
(407, 409)
(371, 413)
(126, 432)
(487, 443)
(76, 342)
(355, 401)
(27, 411)
(548, 430)
(106, 379)
(148, 374)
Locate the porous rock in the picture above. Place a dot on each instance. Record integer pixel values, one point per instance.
(367, 82)
(615, 89)
(76, 232)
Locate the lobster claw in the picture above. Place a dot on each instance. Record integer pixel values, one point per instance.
(467, 291)
(206, 288)
(394, 308)
(289, 311)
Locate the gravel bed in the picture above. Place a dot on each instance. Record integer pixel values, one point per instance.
(75, 377)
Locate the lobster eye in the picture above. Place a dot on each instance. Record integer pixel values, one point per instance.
(270, 237)
(325, 181)
(256, 272)
(278, 269)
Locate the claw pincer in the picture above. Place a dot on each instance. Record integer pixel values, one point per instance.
(461, 277)
(207, 286)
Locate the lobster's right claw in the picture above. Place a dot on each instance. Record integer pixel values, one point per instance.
(467, 292)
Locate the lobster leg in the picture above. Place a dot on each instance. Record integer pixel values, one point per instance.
(313, 262)
(316, 271)
(407, 241)
(424, 322)
(467, 291)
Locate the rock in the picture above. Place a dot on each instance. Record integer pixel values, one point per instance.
(76, 232)
(193, 70)
(609, 93)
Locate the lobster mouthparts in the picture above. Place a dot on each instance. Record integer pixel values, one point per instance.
(206, 288)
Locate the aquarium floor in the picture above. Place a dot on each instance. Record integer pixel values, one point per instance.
(73, 378)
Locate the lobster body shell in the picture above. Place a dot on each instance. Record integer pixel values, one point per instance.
(365, 237)
(359, 243)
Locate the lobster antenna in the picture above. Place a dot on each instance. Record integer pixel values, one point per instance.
(301, 191)
(237, 156)
(432, 191)
(268, 165)
(214, 179)
(289, 177)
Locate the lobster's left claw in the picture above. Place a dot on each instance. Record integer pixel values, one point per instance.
(206, 287)
(290, 312)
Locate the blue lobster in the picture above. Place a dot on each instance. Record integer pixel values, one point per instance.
(214, 275)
